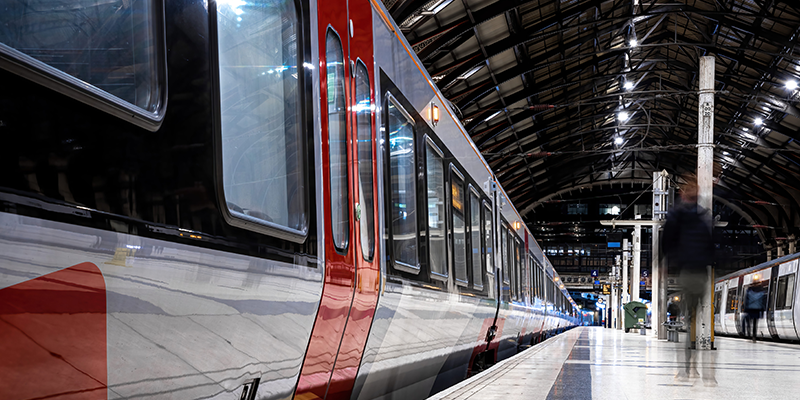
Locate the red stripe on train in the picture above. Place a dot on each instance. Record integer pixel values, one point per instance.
(53, 336)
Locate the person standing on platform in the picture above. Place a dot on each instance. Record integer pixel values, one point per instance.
(688, 245)
(755, 301)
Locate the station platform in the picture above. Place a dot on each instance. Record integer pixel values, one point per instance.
(599, 363)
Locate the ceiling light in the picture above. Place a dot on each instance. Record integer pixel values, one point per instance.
(791, 84)
(758, 121)
(633, 42)
(745, 129)
(469, 73)
(725, 153)
(618, 140)
(492, 116)
(628, 85)
(622, 116)
(436, 7)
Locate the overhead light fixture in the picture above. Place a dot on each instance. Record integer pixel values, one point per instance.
(758, 121)
(628, 85)
(622, 116)
(791, 84)
(618, 140)
(439, 6)
(469, 73)
(725, 153)
(492, 116)
(634, 43)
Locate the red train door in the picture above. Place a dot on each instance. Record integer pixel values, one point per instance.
(351, 272)
(364, 174)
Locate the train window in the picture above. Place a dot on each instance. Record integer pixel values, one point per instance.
(733, 302)
(114, 46)
(337, 141)
(783, 297)
(504, 253)
(436, 214)
(402, 179)
(531, 280)
(457, 209)
(520, 267)
(717, 299)
(263, 145)
(488, 236)
(475, 238)
(364, 135)
(512, 264)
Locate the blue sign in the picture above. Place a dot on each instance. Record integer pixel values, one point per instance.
(594, 273)
(645, 273)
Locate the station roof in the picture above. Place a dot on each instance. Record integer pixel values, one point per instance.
(622, 77)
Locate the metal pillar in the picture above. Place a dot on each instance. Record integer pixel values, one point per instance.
(705, 166)
(636, 277)
(659, 276)
(615, 292)
(625, 287)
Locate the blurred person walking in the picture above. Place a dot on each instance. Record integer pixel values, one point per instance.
(755, 301)
(689, 248)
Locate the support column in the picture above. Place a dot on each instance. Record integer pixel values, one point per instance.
(625, 286)
(616, 289)
(659, 276)
(705, 195)
(636, 277)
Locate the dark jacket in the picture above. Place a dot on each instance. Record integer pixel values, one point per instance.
(687, 240)
(755, 299)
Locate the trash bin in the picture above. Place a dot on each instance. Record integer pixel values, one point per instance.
(634, 312)
(672, 328)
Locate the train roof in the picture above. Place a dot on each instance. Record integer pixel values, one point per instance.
(759, 267)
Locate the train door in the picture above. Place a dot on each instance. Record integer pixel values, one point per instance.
(364, 172)
(771, 295)
(348, 170)
(784, 294)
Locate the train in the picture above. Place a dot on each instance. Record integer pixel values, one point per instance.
(782, 314)
(262, 199)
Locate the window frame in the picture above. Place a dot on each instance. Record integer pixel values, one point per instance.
(784, 301)
(487, 249)
(370, 256)
(28, 67)
(343, 192)
(430, 144)
(481, 256)
(304, 121)
(455, 173)
(399, 265)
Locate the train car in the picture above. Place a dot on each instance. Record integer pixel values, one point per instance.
(780, 319)
(247, 200)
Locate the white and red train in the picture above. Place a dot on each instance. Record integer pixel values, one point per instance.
(781, 319)
(246, 199)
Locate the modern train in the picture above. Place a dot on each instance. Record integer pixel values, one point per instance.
(781, 318)
(247, 199)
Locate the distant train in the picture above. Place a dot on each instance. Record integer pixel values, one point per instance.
(782, 316)
(236, 200)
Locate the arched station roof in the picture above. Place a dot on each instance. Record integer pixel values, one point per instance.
(622, 77)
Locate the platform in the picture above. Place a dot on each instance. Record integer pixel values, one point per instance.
(598, 363)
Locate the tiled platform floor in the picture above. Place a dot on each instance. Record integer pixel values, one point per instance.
(597, 363)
